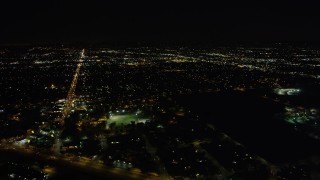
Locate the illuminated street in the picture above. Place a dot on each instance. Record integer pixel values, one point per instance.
(71, 93)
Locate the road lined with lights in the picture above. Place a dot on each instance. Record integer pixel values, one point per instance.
(84, 165)
(71, 93)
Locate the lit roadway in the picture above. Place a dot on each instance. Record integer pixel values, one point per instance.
(83, 165)
(71, 92)
(69, 102)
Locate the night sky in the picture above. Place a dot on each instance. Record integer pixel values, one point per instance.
(102, 21)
